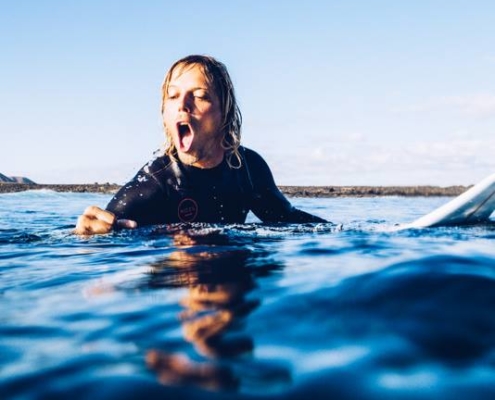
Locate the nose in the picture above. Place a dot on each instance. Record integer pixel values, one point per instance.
(184, 104)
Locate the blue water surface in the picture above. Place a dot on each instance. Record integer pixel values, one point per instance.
(351, 310)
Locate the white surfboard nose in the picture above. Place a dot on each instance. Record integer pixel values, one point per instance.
(473, 206)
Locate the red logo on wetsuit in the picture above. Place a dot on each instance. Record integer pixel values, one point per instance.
(187, 210)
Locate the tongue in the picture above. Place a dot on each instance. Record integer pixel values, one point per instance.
(186, 140)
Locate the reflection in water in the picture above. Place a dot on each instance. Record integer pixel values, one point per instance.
(219, 275)
(176, 369)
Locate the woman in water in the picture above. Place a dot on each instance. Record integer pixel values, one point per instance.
(204, 175)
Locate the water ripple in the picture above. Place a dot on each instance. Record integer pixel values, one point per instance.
(245, 310)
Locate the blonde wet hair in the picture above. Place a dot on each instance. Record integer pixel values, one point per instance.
(218, 78)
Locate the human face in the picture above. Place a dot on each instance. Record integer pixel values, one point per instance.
(193, 118)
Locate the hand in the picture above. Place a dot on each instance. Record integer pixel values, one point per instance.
(95, 220)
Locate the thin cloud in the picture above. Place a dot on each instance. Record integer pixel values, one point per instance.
(480, 105)
(441, 162)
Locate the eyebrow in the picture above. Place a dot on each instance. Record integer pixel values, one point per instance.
(193, 89)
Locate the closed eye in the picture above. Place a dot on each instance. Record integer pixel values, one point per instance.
(201, 95)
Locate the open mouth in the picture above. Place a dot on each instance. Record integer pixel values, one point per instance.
(186, 136)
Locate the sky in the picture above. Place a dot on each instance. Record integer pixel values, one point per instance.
(352, 92)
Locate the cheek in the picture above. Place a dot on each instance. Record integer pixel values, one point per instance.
(210, 112)
(214, 119)
(212, 125)
(167, 118)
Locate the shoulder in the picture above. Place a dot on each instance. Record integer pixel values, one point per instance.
(252, 157)
(156, 165)
(155, 171)
(257, 168)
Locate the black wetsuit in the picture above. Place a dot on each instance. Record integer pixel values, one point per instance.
(166, 191)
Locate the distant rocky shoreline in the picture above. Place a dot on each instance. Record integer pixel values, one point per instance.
(290, 191)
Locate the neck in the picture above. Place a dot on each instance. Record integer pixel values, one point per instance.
(202, 162)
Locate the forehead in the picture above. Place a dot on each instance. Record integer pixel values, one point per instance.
(189, 72)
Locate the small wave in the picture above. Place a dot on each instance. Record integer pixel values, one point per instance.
(13, 236)
(249, 230)
(442, 304)
(33, 193)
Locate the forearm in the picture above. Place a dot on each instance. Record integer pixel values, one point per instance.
(272, 206)
(299, 216)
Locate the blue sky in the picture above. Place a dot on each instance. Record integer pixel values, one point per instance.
(332, 92)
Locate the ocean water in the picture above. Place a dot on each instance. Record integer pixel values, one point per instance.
(349, 310)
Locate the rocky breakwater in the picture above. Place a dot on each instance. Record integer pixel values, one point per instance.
(79, 188)
(371, 191)
(12, 184)
(290, 191)
(19, 184)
